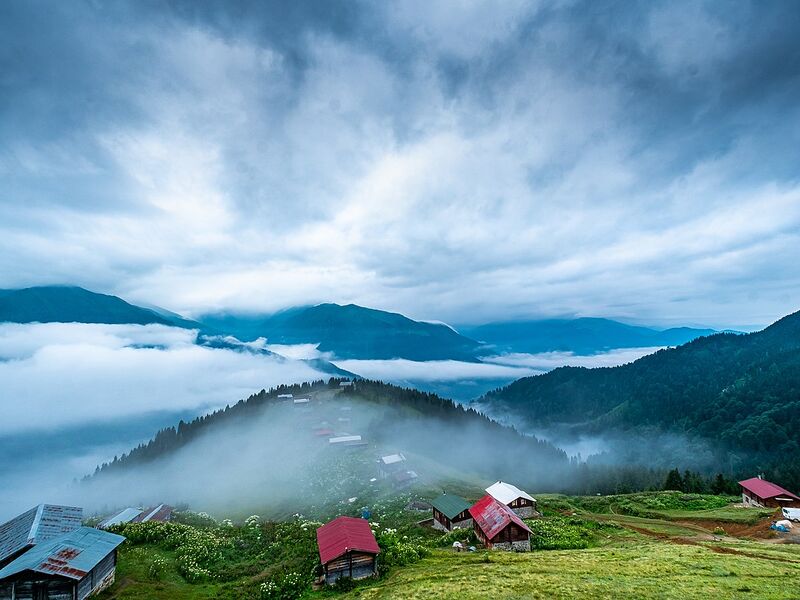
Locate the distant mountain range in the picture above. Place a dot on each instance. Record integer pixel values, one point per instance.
(739, 392)
(68, 304)
(352, 331)
(347, 331)
(582, 335)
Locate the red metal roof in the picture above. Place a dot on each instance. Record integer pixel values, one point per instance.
(766, 489)
(492, 516)
(344, 534)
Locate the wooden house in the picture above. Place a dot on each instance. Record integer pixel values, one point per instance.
(72, 566)
(762, 493)
(390, 464)
(451, 512)
(37, 525)
(498, 527)
(517, 500)
(347, 548)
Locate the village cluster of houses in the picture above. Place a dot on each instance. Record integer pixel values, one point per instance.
(47, 554)
(348, 548)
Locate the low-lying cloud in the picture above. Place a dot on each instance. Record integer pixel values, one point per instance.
(56, 375)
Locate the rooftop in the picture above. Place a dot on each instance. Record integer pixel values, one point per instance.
(450, 505)
(344, 534)
(71, 555)
(506, 492)
(493, 516)
(766, 489)
(37, 525)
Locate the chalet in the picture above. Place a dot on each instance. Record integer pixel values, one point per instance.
(37, 525)
(301, 402)
(391, 463)
(763, 493)
(344, 384)
(520, 502)
(451, 512)
(72, 566)
(285, 396)
(403, 479)
(498, 527)
(347, 548)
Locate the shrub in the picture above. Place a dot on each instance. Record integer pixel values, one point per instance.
(285, 587)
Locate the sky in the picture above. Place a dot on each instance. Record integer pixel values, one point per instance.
(464, 161)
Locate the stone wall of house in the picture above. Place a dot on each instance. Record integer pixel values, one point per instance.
(526, 512)
(521, 546)
(465, 524)
(438, 525)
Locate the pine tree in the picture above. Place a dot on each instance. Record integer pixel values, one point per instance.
(674, 481)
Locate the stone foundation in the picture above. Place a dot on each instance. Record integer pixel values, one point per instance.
(521, 546)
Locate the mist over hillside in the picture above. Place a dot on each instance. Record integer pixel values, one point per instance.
(740, 393)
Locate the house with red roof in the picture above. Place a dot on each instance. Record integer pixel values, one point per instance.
(760, 492)
(498, 527)
(347, 548)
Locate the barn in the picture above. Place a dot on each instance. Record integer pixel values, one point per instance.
(763, 493)
(72, 566)
(451, 512)
(37, 525)
(498, 527)
(517, 500)
(347, 548)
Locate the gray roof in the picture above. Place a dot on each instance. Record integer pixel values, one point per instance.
(39, 524)
(70, 555)
(124, 516)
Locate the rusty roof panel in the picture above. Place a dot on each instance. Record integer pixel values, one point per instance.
(71, 555)
(37, 525)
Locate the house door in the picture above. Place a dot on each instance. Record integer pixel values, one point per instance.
(39, 591)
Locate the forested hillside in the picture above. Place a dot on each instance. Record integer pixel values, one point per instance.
(741, 391)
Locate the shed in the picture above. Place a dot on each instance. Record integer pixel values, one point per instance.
(516, 499)
(124, 516)
(37, 525)
(498, 527)
(285, 396)
(347, 548)
(72, 566)
(763, 493)
(451, 512)
(390, 463)
(161, 513)
(345, 384)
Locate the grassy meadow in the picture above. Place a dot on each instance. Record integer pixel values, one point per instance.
(577, 553)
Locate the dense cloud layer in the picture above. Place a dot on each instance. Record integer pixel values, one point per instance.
(467, 162)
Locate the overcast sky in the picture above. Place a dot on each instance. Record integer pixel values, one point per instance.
(462, 161)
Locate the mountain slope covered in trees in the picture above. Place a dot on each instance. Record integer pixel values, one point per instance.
(740, 391)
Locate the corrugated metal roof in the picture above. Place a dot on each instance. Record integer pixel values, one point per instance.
(37, 525)
(493, 516)
(162, 512)
(345, 439)
(766, 489)
(450, 505)
(71, 555)
(506, 493)
(344, 534)
(392, 458)
(124, 516)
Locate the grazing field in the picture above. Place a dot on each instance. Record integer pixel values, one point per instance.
(640, 569)
(577, 553)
